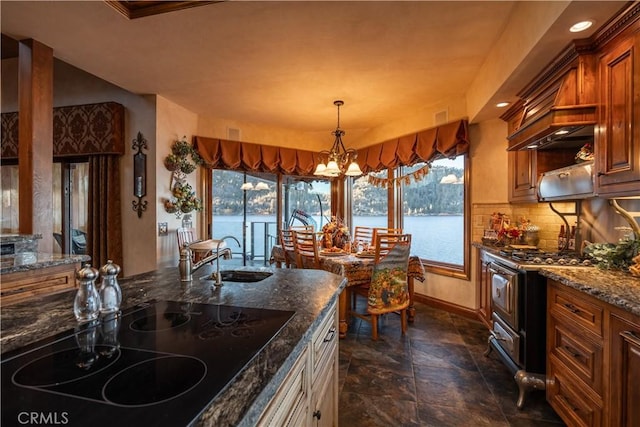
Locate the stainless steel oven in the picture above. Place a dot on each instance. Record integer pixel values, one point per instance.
(504, 305)
(518, 311)
(504, 293)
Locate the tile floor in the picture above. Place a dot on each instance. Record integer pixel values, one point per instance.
(437, 375)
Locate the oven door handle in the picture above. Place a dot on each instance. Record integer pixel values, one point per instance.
(495, 269)
(497, 336)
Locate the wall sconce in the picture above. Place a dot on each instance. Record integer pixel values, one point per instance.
(139, 175)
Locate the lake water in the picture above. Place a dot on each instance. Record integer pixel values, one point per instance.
(438, 238)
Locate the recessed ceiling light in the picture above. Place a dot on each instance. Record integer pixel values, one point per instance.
(502, 104)
(581, 26)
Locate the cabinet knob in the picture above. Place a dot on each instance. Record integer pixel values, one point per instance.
(601, 173)
(317, 414)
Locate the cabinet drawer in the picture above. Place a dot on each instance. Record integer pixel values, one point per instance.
(324, 341)
(575, 306)
(582, 356)
(291, 398)
(564, 395)
(18, 287)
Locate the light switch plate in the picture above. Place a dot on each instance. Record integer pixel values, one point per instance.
(163, 229)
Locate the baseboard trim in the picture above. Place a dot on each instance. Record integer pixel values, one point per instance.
(446, 306)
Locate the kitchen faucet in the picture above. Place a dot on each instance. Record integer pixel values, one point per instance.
(218, 278)
(187, 267)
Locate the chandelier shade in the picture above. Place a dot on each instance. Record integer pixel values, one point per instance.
(339, 160)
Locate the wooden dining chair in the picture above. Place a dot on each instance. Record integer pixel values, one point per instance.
(309, 227)
(363, 234)
(384, 230)
(188, 236)
(287, 241)
(385, 242)
(388, 290)
(306, 249)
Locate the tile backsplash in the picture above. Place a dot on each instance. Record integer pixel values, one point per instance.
(598, 221)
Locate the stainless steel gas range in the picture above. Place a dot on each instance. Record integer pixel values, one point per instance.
(518, 311)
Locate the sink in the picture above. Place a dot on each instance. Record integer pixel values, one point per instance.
(244, 275)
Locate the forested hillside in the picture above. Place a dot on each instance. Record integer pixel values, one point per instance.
(427, 197)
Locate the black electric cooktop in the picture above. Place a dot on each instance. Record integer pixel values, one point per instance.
(160, 363)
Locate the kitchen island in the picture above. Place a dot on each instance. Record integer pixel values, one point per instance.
(310, 294)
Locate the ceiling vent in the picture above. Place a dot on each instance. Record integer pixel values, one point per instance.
(233, 134)
(441, 117)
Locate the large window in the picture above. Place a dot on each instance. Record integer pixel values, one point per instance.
(369, 201)
(428, 201)
(433, 211)
(244, 206)
(305, 202)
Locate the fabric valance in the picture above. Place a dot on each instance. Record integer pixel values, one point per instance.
(224, 154)
(448, 140)
(77, 130)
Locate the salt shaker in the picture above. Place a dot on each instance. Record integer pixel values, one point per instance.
(86, 305)
(110, 293)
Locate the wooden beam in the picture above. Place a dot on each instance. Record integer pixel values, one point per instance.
(35, 136)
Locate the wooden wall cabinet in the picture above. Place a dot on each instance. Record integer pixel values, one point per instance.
(309, 394)
(593, 360)
(523, 176)
(526, 167)
(617, 138)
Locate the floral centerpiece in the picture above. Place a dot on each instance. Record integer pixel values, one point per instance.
(335, 233)
(183, 200)
(513, 233)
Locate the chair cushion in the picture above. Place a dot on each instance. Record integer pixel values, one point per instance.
(389, 290)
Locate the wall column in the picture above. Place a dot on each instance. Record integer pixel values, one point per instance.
(35, 136)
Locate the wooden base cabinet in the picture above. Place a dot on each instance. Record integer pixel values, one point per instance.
(593, 360)
(309, 394)
(625, 371)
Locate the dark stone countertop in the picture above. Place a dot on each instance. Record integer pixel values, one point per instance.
(308, 292)
(617, 288)
(13, 238)
(27, 261)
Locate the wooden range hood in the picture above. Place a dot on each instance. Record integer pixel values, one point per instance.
(563, 97)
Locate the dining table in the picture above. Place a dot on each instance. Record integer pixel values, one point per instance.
(357, 269)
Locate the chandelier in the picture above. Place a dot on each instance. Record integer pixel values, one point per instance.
(340, 161)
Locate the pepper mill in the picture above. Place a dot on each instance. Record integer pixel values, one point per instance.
(185, 265)
(110, 293)
(86, 305)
